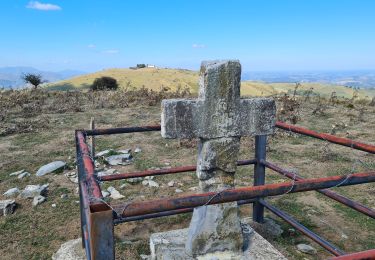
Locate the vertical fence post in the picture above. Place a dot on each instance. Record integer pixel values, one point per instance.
(101, 235)
(259, 174)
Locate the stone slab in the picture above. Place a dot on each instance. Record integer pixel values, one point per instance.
(170, 245)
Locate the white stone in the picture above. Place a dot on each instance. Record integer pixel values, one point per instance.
(152, 183)
(115, 194)
(121, 159)
(123, 185)
(53, 205)
(23, 175)
(145, 182)
(178, 191)
(70, 250)
(12, 192)
(307, 249)
(16, 173)
(7, 207)
(171, 184)
(31, 191)
(105, 194)
(193, 188)
(149, 177)
(103, 153)
(38, 200)
(137, 150)
(134, 180)
(107, 172)
(51, 167)
(64, 196)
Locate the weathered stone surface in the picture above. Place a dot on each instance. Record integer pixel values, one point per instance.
(51, 167)
(38, 200)
(103, 153)
(269, 227)
(31, 191)
(12, 192)
(70, 250)
(220, 153)
(209, 231)
(219, 117)
(134, 180)
(115, 194)
(7, 207)
(171, 245)
(307, 249)
(121, 159)
(171, 184)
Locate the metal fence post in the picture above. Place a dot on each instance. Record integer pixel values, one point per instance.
(259, 174)
(101, 235)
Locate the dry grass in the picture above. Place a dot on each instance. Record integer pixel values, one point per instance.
(35, 233)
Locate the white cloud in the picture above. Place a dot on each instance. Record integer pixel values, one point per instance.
(43, 6)
(198, 46)
(112, 51)
(91, 46)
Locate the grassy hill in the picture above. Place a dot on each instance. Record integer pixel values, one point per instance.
(154, 78)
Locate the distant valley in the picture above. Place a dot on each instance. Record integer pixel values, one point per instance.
(10, 77)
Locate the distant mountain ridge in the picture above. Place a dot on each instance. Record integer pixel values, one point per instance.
(10, 77)
(352, 78)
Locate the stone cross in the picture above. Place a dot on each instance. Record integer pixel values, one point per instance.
(218, 118)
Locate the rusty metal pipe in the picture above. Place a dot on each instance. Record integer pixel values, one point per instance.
(363, 255)
(122, 130)
(168, 213)
(327, 137)
(161, 172)
(143, 208)
(337, 197)
(87, 169)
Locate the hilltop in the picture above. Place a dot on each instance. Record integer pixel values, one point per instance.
(157, 79)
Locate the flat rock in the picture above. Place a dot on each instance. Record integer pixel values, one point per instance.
(23, 175)
(178, 191)
(7, 207)
(70, 250)
(115, 194)
(134, 180)
(307, 249)
(105, 194)
(31, 191)
(106, 172)
(104, 153)
(16, 173)
(137, 150)
(120, 159)
(150, 183)
(38, 200)
(51, 167)
(171, 184)
(12, 192)
(171, 245)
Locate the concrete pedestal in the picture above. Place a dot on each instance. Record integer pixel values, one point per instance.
(170, 245)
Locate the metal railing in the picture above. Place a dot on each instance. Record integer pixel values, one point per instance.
(99, 217)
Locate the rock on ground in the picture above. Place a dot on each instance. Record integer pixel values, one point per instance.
(16, 173)
(307, 249)
(7, 207)
(70, 250)
(38, 200)
(12, 192)
(51, 167)
(115, 194)
(134, 180)
(31, 191)
(23, 175)
(121, 159)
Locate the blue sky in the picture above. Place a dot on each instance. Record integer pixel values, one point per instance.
(264, 35)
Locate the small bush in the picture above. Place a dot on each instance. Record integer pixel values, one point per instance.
(104, 83)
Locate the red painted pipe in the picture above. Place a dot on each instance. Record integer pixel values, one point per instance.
(339, 198)
(189, 168)
(148, 207)
(330, 138)
(88, 166)
(363, 255)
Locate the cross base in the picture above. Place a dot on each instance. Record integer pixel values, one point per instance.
(171, 245)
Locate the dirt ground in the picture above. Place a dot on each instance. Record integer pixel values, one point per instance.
(37, 232)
